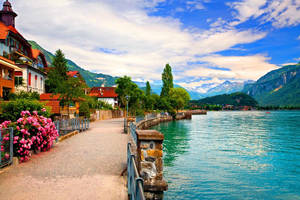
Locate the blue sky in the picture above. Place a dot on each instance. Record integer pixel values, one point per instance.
(206, 41)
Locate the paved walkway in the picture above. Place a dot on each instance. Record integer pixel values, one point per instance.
(85, 166)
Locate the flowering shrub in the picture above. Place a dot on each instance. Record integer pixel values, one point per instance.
(32, 132)
(5, 135)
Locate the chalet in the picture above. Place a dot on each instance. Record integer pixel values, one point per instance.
(106, 94)
(16, 48)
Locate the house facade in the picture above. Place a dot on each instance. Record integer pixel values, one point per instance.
(29, 75)
(32, 77)
(9, 40)
(106, 94)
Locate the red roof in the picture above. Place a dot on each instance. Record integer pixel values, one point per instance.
(103, 92)
(72, 73)
(35, 53)
(4, 30)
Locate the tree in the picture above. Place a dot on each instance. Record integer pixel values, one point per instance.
(70, 90)
(148, 98)
(58, 73)
(148, 89)
(127, 88)
(179, 98)
(167, 79)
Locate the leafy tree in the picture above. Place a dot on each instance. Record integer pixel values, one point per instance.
(84, 110)
(167, 79)
(179, 98)
(70, 90)
(127, 88)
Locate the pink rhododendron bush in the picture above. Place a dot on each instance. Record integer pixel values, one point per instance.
(32, 132)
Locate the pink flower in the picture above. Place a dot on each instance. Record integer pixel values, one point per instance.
(44, 110)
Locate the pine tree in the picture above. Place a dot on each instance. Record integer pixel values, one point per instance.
(58, 73)
(148, 89)
(167, 79)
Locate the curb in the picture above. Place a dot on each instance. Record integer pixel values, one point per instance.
(62, 138)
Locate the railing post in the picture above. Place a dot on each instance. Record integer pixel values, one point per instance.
(0, 146)
(137, 187)
(11, 144)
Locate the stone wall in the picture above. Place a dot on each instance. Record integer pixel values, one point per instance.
(148, 150)
(106, 114)
(150, 162)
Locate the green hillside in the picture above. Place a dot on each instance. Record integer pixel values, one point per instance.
(92, 79)
(235, 99)
(277, 88)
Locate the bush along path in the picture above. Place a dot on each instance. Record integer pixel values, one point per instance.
(86, 166)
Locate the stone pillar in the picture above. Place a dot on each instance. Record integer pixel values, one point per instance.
(150, 163)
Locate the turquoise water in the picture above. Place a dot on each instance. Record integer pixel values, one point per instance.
(233, 155)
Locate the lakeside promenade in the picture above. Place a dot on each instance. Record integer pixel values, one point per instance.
(85, 166)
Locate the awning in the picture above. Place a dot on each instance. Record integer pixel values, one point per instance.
(18, 73)
(7, 64)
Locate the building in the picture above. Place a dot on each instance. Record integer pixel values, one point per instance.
(9, 40)
(32, 77)
(106, 94)
(14, 47)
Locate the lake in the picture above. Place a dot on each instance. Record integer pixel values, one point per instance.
(233, 155)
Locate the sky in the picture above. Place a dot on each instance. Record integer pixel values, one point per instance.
(205, 41)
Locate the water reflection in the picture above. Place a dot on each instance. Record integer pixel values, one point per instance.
(176, 140)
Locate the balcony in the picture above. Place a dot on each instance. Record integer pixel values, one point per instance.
(7, 82)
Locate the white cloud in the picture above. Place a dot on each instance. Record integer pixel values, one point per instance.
(194, 5)
(281, 13)
(141, 45)
(239, 67)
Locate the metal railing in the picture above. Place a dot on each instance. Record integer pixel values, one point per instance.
(6, 144)
(139, 118)
(134, 181)
(133, 132)
(66, 126)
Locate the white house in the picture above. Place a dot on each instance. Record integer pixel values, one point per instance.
(106, 94)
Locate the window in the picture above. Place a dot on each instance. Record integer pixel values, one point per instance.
(41, 83)
(35, 82)
(29, 79)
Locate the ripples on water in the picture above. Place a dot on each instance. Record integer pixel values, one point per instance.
(233, 155)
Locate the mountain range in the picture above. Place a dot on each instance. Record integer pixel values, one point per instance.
(279, 87)
(92, 79)
(98, 79)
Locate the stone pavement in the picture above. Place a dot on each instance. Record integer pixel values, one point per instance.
(85, 166)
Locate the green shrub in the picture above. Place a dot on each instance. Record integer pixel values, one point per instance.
(11, 111)
(24, 95)
(84, 110)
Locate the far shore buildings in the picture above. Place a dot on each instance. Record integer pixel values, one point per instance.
(21, 66)
(106, 94)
